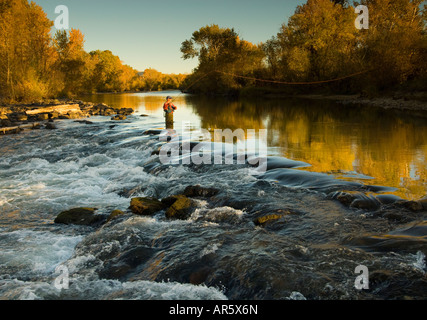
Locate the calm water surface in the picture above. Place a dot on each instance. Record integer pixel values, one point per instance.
(371, 145)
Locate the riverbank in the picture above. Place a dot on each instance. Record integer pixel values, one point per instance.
(15, 118)
(399, 100)
(386, 102)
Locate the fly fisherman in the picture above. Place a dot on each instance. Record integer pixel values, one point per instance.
(169, 108)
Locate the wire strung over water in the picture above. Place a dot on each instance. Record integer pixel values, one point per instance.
(275, 81)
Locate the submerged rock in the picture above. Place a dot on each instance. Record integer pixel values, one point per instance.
(261, 221)
(153, 132)
(388, 198)
(84, 121)
(50, 126)
(79, 216)
(119, 117)
(414, 206)
(198, 191)
(125, 111)
(125, 264)
(410, 238)
(145, 206)
(355, 199)
(115, 214)
(344, 198)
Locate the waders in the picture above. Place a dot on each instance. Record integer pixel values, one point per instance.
(169, 120)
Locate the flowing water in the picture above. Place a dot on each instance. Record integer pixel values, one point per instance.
(319, 154)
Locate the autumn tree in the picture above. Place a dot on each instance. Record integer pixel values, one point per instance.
(152, 79)
(172, 81)
(318, 42)
(35, 65)
(27, 55)
(395, 44)
(221, 52)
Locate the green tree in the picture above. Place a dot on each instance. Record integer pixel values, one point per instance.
(221, 52)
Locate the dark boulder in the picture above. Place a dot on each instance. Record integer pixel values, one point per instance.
(50, 126)
(125, 111)
(145, 206)
(119, 117)
(169, 201)
(180, 207)
(79, 216)
(5, 123)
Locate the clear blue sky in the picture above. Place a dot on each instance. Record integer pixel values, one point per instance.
(149, 33)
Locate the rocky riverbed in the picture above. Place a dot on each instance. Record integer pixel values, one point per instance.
(15, 118)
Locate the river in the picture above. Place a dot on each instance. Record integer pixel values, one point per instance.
(319, 152)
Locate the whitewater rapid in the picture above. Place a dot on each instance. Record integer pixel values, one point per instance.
(218, 253)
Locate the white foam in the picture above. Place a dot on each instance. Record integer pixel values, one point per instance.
(217, 214)
(295, 295)
(152, 222)
(211, 248)
(77, 263)
(14, 289)
(420, 263)
(37, 252)
(103, 289)
(148, 290)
